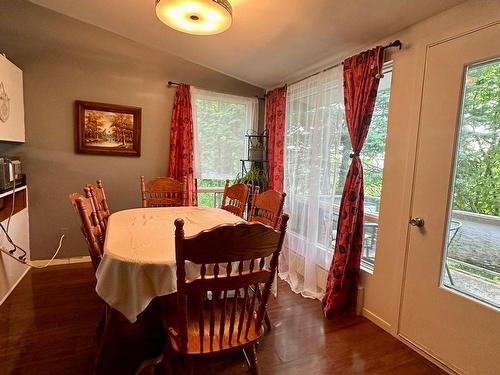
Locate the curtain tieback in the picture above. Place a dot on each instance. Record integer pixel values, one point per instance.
(354, 154)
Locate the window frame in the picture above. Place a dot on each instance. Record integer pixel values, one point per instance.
(365, 265)
(252, 118)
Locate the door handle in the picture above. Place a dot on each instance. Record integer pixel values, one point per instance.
(417, 222)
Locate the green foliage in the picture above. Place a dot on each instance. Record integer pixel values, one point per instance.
(220, 132)
(477, 181)
(255, 177)
(373, 152)
(476, 272)
(478, 160)
(221, 128)
(211, 183)
(374, 149)
(207, 199)
(311, 141)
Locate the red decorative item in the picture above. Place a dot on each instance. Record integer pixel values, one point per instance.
(181, 161)
(275, 125)
(361, 79)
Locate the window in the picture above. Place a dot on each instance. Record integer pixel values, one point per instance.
(314, 119)
(472, 262)
(220, 124)
(372, 156)
(317, 157)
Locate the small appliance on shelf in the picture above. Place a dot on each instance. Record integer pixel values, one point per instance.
(11, 173)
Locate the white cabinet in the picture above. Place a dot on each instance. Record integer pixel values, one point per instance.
(11, 102)
(11, 271)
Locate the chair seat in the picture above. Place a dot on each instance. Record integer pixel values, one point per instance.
(215, 344)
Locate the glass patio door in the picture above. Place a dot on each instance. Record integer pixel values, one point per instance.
(451, 294)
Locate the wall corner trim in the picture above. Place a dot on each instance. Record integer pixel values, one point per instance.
(14, 286)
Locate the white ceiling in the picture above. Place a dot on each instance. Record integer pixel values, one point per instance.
(270, 41)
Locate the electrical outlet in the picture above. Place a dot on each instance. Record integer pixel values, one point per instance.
(63, 231)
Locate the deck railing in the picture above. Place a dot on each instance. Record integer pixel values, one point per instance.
(210, 196)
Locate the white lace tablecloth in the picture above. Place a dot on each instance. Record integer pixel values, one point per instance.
(139, 254)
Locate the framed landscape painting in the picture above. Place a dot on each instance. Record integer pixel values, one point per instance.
(108, 129)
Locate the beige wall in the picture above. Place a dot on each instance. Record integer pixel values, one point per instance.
(64, 60)
(383, 288)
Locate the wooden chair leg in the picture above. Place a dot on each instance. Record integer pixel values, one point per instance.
(190, 367)
(105, 338)
(267, 321)
(251, 356)
(102, 322)
(168, 357)
(186, 366)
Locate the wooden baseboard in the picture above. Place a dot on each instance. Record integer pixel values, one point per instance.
(59, 261)
(447, 367)
(414, 346)
(374, 318)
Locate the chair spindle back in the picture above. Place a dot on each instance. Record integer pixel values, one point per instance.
(231, 292)
(90, 225)
(267, 207)
(164, 192)
(100, 203)
(235, 198)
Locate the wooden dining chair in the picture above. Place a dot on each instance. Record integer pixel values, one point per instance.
(100, 202)
(267, 207)
(90, 226)
(235, 198)
(94, 237)
(218, 311)
(164, 192)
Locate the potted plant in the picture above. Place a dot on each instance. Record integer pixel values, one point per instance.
(256, 176)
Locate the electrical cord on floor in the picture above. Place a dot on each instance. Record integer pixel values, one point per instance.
(22, 258)
(51, 259)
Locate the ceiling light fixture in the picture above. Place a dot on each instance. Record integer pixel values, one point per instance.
(198, 17)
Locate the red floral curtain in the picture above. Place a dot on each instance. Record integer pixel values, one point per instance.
(275, 125)
(181, 161)
(361, 79)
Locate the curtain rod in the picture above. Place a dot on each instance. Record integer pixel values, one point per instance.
(175, 84)
(396, 43)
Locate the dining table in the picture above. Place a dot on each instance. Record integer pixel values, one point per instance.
(138, 262)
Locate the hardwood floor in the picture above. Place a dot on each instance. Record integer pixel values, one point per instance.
(48, 326)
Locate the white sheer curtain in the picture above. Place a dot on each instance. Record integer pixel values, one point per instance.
(314, 118)
(220, 122)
